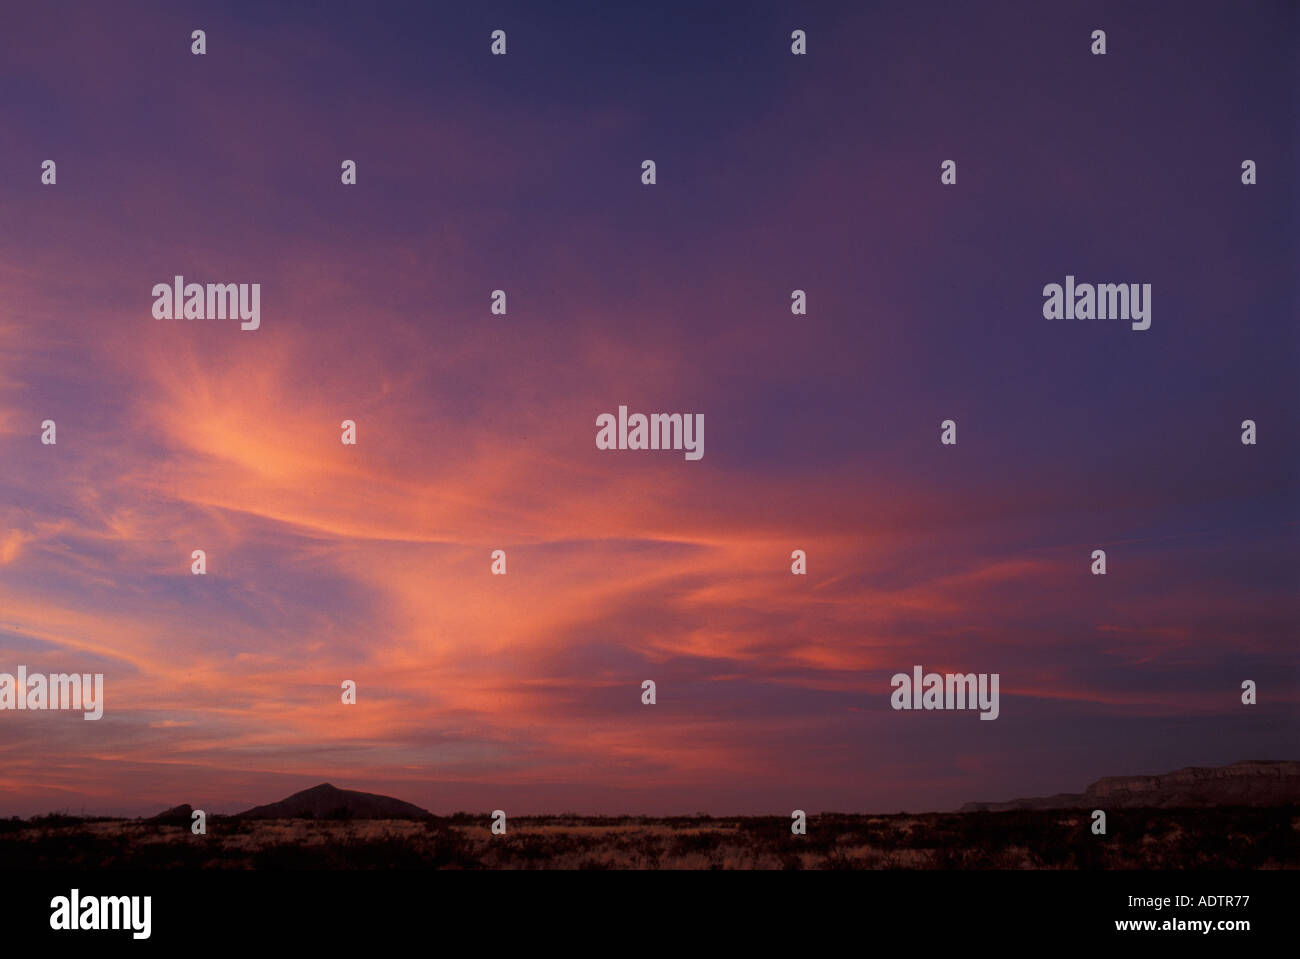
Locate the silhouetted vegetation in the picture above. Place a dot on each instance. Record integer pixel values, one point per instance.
(1217, 838)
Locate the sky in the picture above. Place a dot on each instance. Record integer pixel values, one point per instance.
(476, 432)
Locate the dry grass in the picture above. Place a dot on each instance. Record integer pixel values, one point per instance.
(1231, 838)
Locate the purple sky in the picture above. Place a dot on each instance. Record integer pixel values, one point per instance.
(476, 432)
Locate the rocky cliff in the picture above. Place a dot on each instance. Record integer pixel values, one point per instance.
(1253, 782)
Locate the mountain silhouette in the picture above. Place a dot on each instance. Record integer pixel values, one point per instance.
(177, 815)
(1252, 782)
(329, 802)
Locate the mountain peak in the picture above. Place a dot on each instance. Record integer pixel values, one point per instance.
(327, 801)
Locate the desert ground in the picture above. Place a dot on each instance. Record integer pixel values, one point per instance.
(1217, 838)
